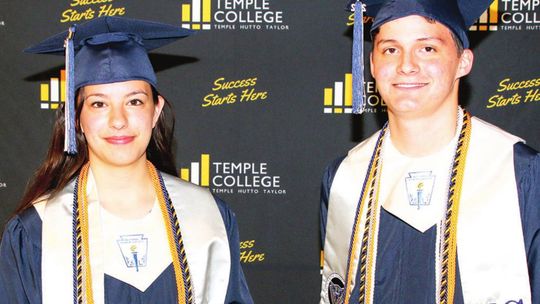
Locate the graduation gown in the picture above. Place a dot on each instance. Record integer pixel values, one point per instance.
(405, 268)
(21, 262)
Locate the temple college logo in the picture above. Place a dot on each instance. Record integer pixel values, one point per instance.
(338, 98)
(509, 15)
(53, 93)
(233, 177)
(488, 20)
(232, 15)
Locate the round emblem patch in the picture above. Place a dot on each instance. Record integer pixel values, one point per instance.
(336, 289)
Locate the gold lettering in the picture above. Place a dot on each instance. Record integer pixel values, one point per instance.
(366, 19)
(109, 10)
(247, 244)
(532, 95)
(87, 2)
(71, 15)
(221, 84)
(251, 95)
(251, 257)
(502, 85)
(215, 100)
(507, 85)
(497, 101)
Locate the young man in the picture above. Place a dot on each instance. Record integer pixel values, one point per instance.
(423, 211)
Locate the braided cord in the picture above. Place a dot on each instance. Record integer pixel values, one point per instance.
(366, 253)
(82, 276)
(82, 271)
(372, 243)
(361, 204)
(76, 259)
(449, 250)
(449, 247)
(179, 243)
(181, 252)
(176, 245)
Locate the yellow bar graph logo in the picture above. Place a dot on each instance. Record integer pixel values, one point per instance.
(197, 15)
(53, 92)
(489, 19)
(199, 172)
(338, 99)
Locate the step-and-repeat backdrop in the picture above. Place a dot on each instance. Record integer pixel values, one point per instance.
(262, 101)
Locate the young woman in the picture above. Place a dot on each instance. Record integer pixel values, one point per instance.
(105, 220)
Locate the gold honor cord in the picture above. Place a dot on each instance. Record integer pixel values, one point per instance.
(366, 253)
(449, 244)
(371, 179)
(449, 252)
(83, 256)
(81, 248)
(180, 265)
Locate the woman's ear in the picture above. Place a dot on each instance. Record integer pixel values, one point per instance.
(157, 110)
(79, 104)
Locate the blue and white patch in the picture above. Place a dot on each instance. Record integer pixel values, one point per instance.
(134, 249)
(419, 187)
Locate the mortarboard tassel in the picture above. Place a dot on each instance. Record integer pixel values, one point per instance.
(358, 59)
(70, 143)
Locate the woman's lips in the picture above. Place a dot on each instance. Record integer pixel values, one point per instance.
(119, 140)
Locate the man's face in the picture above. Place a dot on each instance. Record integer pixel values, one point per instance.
(416, 65)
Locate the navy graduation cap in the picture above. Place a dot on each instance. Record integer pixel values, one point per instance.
(106, 50)
(457, 15)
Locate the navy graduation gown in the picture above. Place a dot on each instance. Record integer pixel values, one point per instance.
(405, 269)
(20, 267)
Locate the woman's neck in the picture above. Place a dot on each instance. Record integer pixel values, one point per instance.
(125, 191)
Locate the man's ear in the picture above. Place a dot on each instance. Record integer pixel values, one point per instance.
(465, 63)
(371, 63)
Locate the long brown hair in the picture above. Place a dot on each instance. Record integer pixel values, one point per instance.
(59, 168)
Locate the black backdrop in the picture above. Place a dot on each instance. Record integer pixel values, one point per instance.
(265, 141)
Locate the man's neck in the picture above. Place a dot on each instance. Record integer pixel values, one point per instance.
(421, 136)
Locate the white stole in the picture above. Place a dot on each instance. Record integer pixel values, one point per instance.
(491, 250)
(203, 231)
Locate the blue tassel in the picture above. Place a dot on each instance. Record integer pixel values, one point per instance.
(70, 142)
(358, 59)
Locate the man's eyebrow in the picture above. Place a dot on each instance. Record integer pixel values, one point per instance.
(390, 40)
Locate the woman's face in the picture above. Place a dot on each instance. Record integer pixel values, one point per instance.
(117, 121)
